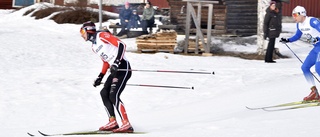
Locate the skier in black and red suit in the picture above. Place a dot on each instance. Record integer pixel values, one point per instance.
(112, 53)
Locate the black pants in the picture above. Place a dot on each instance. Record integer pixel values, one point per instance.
(113, 88)
(125, 28)
(270, 50)
(147, 23)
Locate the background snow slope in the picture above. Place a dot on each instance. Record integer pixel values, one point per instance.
(47, 71)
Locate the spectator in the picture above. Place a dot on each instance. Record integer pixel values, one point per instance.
(147, 17)
(134, 20)
(125, 15)
(272, 29)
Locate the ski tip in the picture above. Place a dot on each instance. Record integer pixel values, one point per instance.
(43, 133)
(135, 132)
(192, 88)
(252, 108)
(139, 132)
(30, 134)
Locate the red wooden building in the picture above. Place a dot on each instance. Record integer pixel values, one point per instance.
(312, 7)
(160, 3)
(6, 4)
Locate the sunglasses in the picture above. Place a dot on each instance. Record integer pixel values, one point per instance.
(82, 31)
(295, 15)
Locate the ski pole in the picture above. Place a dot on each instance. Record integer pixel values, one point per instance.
(301, 61)
(294, 53)
(161, 86)
(169, 71)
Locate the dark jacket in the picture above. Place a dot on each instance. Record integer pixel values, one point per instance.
(272, 24)
(125, 14)
(134, 21)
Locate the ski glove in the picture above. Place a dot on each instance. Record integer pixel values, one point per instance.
(312, 40)
(97, 82)
(284, 40)
(114, 67)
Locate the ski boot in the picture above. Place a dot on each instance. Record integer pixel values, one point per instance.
(314, 95)
(125, 128)
(110, 126)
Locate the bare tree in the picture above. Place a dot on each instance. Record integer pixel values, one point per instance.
(262, 6)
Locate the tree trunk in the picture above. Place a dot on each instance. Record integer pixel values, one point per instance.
(262, 6)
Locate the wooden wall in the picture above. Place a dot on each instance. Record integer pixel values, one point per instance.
(6, 4)
(235, 17)
(178, 16)
(242, 17)
(160, 3)
(59, 2)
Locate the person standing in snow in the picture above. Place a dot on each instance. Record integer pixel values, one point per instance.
(310, 28)
(112, 53)
(147, 18)
(272, 29)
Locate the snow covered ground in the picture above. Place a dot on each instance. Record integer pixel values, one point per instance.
(47, 71)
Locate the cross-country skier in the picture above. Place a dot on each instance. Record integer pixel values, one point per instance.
(112, 52)
(310, 28)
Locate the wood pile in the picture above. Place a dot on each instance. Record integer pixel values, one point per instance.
(163, 41)
(192, 45)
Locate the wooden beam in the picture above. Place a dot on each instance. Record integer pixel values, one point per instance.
(206, 48)
(188, 20)
(193, 13)
(199, 21)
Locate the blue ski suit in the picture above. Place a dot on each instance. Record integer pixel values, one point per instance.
(311, 29)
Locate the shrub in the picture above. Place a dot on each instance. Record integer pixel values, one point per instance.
(47, 11)
(78, 16)
(28, 12)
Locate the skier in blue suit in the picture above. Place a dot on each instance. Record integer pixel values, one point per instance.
(310, 28)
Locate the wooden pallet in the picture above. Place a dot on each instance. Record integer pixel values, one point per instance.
(157, 42)
(155, 46)
(163, 41)
(192, 45)
(155, 50)
(194, 49)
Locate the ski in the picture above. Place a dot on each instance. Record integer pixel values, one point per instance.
(284, 105)
(314, 104)
(78, 133)
(30, 134)
(95, 132)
